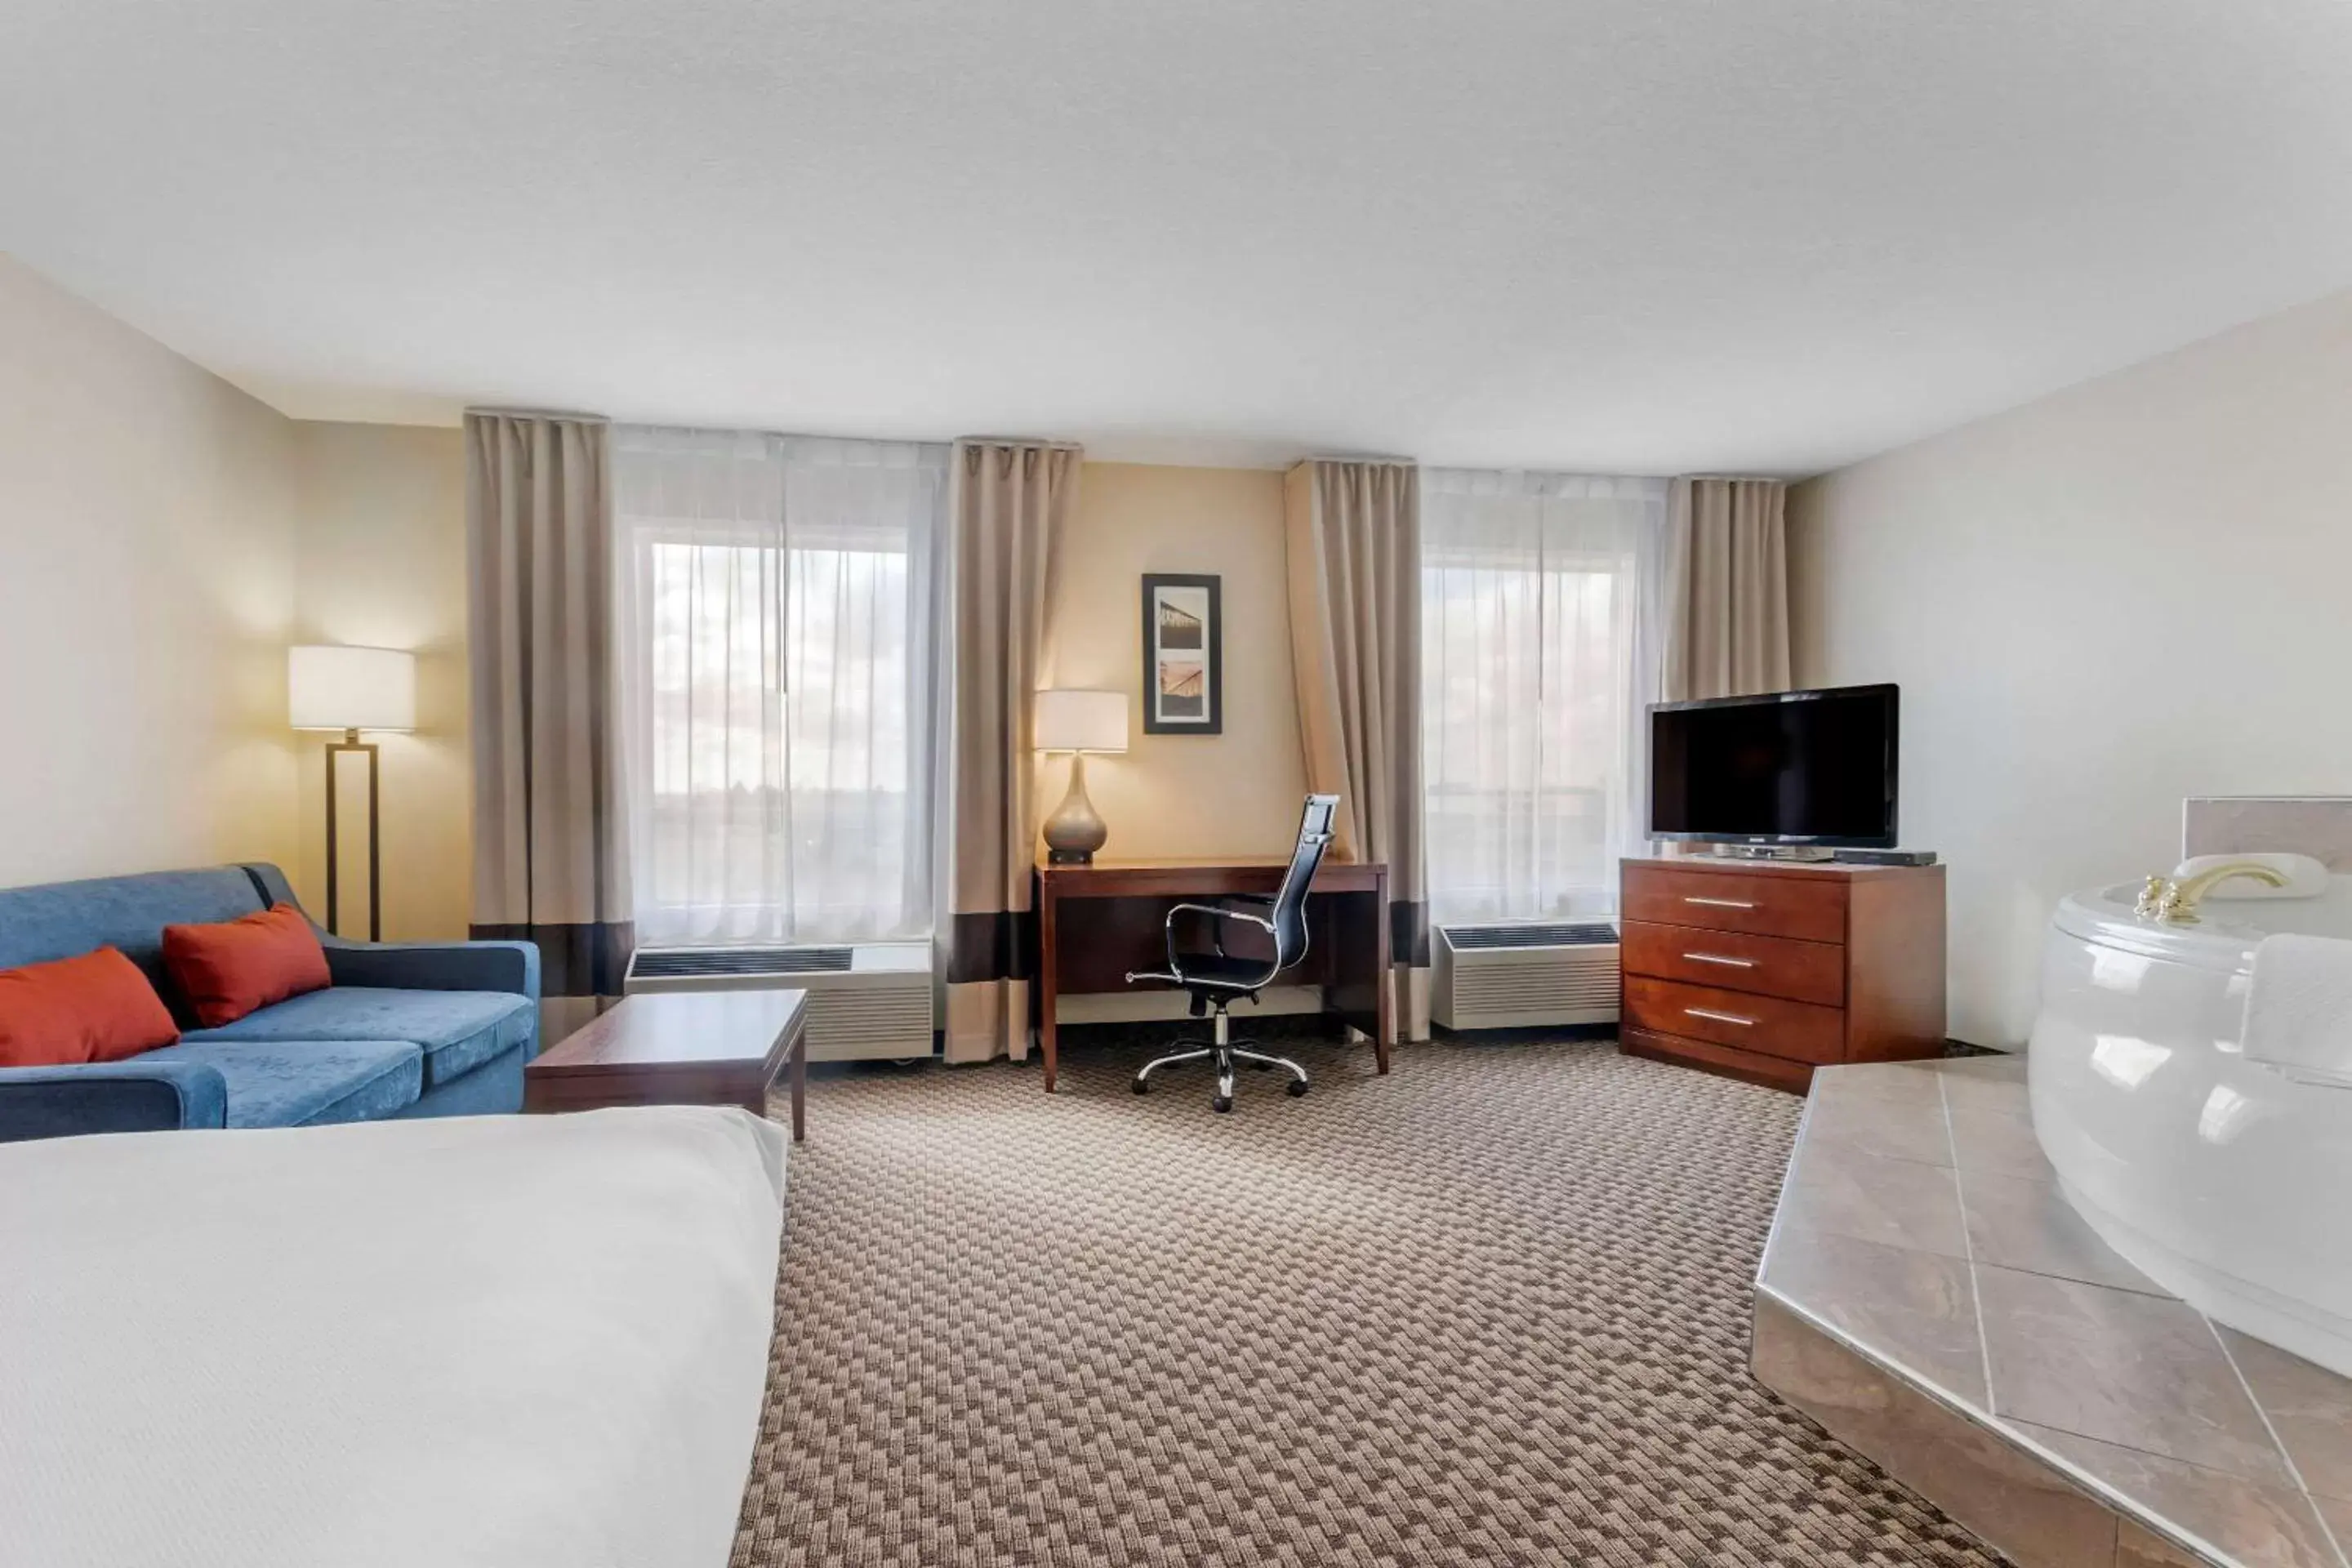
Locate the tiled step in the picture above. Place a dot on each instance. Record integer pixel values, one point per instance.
(1930, 1299)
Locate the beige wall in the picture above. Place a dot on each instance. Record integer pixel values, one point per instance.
(147, 563)
(380, 561)
(2135, 590)
(165, 537)
(162, 538)
(1235, 794)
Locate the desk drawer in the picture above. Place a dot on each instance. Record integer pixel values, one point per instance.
(1808, 908)
(1735, 961)
(1797, 1031)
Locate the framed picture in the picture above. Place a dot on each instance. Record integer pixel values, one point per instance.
(1183, 656)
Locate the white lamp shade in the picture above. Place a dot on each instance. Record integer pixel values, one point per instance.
(1082, 720)
(351, 688)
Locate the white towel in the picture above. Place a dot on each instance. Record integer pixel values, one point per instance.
(2299, 1008)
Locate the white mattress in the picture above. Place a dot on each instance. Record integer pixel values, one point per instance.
(510, 1341)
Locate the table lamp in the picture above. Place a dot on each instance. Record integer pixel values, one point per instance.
(1078, 722)
(351, 690)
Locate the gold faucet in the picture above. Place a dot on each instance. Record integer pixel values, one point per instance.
(2175, 903)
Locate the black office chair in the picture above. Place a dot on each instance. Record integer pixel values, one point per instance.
(1218, 979)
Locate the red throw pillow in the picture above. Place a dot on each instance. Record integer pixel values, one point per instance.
(243, 965)
(98, 1007)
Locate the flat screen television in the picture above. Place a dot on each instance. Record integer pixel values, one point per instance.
(1790, 767)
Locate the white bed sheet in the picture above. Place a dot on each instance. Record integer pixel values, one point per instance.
(510, 1341)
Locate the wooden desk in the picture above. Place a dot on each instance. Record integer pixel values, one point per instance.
(1128, 902)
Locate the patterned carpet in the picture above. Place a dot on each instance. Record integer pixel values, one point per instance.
(1492, 1308)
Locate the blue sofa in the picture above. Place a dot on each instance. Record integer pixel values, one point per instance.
(406, 1029)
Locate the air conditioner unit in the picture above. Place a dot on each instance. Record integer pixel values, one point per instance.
(1513, 976)
(872, 1001)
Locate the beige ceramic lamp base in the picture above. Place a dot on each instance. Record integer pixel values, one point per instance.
(1076, 830)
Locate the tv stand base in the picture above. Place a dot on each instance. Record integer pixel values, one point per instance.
(1796, 852)
(1765, 970)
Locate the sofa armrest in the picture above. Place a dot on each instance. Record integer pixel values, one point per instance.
(437, 966)
(129, 1096)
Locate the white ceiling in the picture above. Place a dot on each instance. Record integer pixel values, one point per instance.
(1639, 236)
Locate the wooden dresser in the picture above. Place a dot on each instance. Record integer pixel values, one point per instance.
(1763, 970)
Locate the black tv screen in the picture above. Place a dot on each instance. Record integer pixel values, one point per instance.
(1796, 767)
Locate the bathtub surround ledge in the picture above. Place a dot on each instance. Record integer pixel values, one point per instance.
(1929, 1297)
(2319, 825)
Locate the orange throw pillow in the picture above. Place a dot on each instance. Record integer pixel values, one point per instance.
(98, 1007)
(243, 965)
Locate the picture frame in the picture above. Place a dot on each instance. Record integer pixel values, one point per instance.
(1184, 653)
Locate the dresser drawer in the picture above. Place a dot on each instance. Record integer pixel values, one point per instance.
(1811, 909)
(1797, 1031)
(1736, 961)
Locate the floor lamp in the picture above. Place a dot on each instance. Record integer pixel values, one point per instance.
(351, 690)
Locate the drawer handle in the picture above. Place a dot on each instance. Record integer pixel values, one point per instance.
(1718, 958)
(1720, 1017)
(1719, 903)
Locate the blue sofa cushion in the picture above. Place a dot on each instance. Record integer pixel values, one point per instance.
(61, 919)
(459, 1030)
(306, 1083)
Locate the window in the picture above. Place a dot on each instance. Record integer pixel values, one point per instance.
(779, 684)
(1538, 655)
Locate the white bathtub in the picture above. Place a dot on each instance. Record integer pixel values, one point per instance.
(2218, 1178)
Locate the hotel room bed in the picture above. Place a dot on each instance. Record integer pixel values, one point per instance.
(510, 1341)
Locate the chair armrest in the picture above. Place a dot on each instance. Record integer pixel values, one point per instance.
(1168, 927)
(437, 966)
(1220, 912)
(130, 1096)
(1262, 900)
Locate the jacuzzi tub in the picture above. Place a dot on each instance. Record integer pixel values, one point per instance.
(2218, 1178)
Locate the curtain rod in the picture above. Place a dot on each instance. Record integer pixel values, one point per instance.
(1052, 445)
(571, 414)
(1377, 461)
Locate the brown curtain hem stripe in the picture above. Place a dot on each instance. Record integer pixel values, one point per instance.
(1409, 935)
(574, 960)
(998, 944)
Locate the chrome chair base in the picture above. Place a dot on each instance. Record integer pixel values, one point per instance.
(1224, 1052)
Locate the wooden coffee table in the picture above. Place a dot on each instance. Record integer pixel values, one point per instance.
(690, 1048)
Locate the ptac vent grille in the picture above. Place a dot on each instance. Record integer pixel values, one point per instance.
(1479, 939)
(682, 963)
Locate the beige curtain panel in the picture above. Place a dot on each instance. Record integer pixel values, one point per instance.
(1009, 503)
(550, 862)
(1352, 534)
(1726, 589)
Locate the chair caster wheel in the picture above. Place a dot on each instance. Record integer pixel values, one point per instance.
(1221, 1103)
(1297, 1087)
(1143, 1086)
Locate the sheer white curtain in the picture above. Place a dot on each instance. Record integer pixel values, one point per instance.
(779, 676)
(1541, 625)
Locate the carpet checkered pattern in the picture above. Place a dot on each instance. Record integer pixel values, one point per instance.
(1492, 1308)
